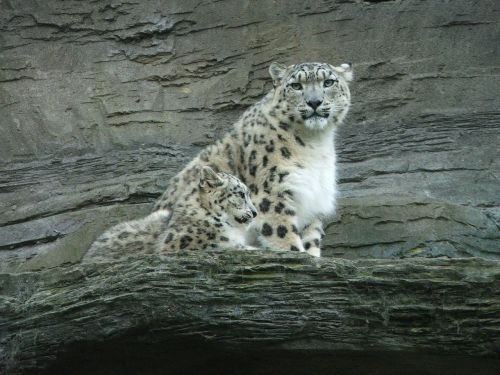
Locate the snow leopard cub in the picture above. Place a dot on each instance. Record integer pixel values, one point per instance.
(214, 214)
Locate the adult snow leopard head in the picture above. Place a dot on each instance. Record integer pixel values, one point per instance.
(315, 94)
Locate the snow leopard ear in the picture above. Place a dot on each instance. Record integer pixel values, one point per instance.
(277, 72)
(345, 70)
(209, 178)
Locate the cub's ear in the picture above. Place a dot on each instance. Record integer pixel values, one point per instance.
(209, 178)
(345, 70)
(277, 72)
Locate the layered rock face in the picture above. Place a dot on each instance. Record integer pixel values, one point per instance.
(102, 102)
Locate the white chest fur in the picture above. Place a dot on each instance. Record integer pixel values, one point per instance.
(236, 236)
(314, 185)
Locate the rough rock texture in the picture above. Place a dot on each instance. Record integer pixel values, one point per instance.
(248, 300)
(101, 102)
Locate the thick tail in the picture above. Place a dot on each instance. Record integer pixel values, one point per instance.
(129, 238)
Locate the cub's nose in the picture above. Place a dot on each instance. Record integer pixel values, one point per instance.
(314, 103)
(254, 213)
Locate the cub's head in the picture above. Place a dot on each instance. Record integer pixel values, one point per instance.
(224, 194)
(315, 94)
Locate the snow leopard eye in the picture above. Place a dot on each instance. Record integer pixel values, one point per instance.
(328, 82)
(296, 86)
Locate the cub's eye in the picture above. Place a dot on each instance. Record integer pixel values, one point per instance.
(296, 86)
(328, 82)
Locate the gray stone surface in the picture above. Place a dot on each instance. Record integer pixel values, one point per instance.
(251, 300)
(101, 102)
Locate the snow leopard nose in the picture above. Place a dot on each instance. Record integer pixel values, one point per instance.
(254, 213)
(314, 103)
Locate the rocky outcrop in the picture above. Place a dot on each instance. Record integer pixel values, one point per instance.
(102, 102)
(252, 302)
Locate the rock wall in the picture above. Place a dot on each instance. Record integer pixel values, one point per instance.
(102, 102)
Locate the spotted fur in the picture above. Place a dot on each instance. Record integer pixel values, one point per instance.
(283, 149)
(215, 213)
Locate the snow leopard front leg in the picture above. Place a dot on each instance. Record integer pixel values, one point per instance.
(277, 224)
(312, 235)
